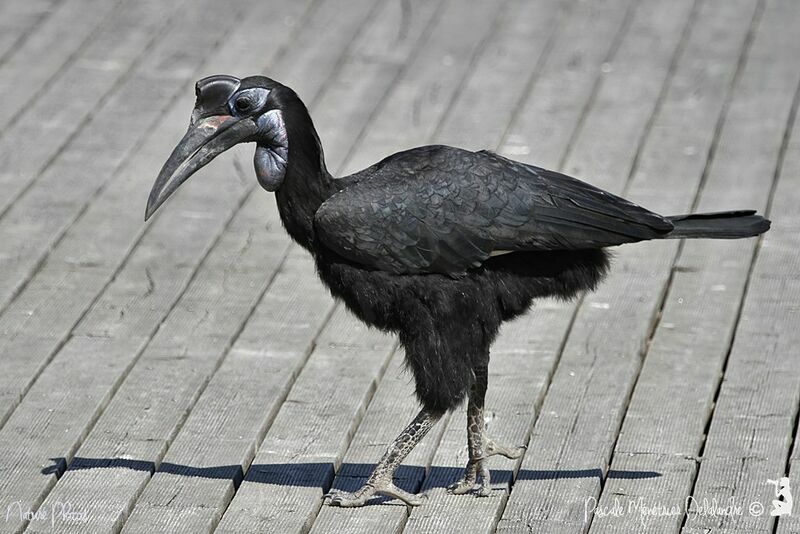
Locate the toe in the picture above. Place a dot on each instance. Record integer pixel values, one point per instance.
(483, 490)
(517, 453)
(409, 498)
(461, 487)
(345, 499)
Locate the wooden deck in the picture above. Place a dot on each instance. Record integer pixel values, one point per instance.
(192, 375)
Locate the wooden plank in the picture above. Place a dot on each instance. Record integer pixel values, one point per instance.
(45, 430)
(87, 255)
(29, 145)
(90, 253)
(94, 156)
(778, 252)
(281, 490)
(564, 93)
(139, 309)
(755, 413)
(56, 43)
(294, 487)
(160, 387)
(36, 140)
(145, 306)
(161, 422)
(203, 466)
(756, 410)
(519, 38)
(640, 61)
(575, 432)
(628, 462)
(394, 403)
(203, 501)
(503, 74)
(19, 20)
(666, 419)
(419, 100)
(380, 56)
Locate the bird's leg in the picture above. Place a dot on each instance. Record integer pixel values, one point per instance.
(479, 444)
(380, 481)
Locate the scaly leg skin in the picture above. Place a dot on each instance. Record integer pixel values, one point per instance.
(480, 445)
(380, 481)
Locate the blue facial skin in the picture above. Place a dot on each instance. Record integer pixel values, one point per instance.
(272, 152)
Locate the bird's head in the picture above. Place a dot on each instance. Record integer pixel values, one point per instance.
(230, 111)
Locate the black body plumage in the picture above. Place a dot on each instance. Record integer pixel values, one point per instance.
(407, 245)
(437, 244)
(446, 210)
(447, 324)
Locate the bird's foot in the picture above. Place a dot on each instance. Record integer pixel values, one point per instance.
(469, 479)
(367, 491)
(476, 478)
(476, 475)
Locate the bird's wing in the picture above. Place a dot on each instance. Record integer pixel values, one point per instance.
(445, 210)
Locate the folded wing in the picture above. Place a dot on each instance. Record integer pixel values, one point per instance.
(444, 210)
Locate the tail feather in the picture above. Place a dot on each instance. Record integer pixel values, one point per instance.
(718, 225)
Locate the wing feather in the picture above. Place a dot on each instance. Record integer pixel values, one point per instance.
(445, 210)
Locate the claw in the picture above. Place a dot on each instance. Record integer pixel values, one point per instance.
(346, 499)
(361, 496)
(484, 490)
(461, 487)
(409, 498)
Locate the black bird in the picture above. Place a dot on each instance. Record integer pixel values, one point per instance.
(437, 244)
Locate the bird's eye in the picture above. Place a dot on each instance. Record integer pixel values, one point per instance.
(242, 103)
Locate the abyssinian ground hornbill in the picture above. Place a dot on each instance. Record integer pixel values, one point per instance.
(437, 244)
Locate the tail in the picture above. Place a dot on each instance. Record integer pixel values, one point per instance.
(719, 225)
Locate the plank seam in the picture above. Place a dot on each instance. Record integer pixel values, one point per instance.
(778, 171)
(656, 319)
(577, 128)
(426, 33)
(63, 467)
(673, 67)
(158, 34)
(718, 127)
(43, 260)
(68, 62)
(479, 49)
(238, 169)
(742, 60)
(527, 89)
(26, 34)
(622, 32)
(477, 53)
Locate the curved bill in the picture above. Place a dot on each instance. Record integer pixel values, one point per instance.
(204, 141)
